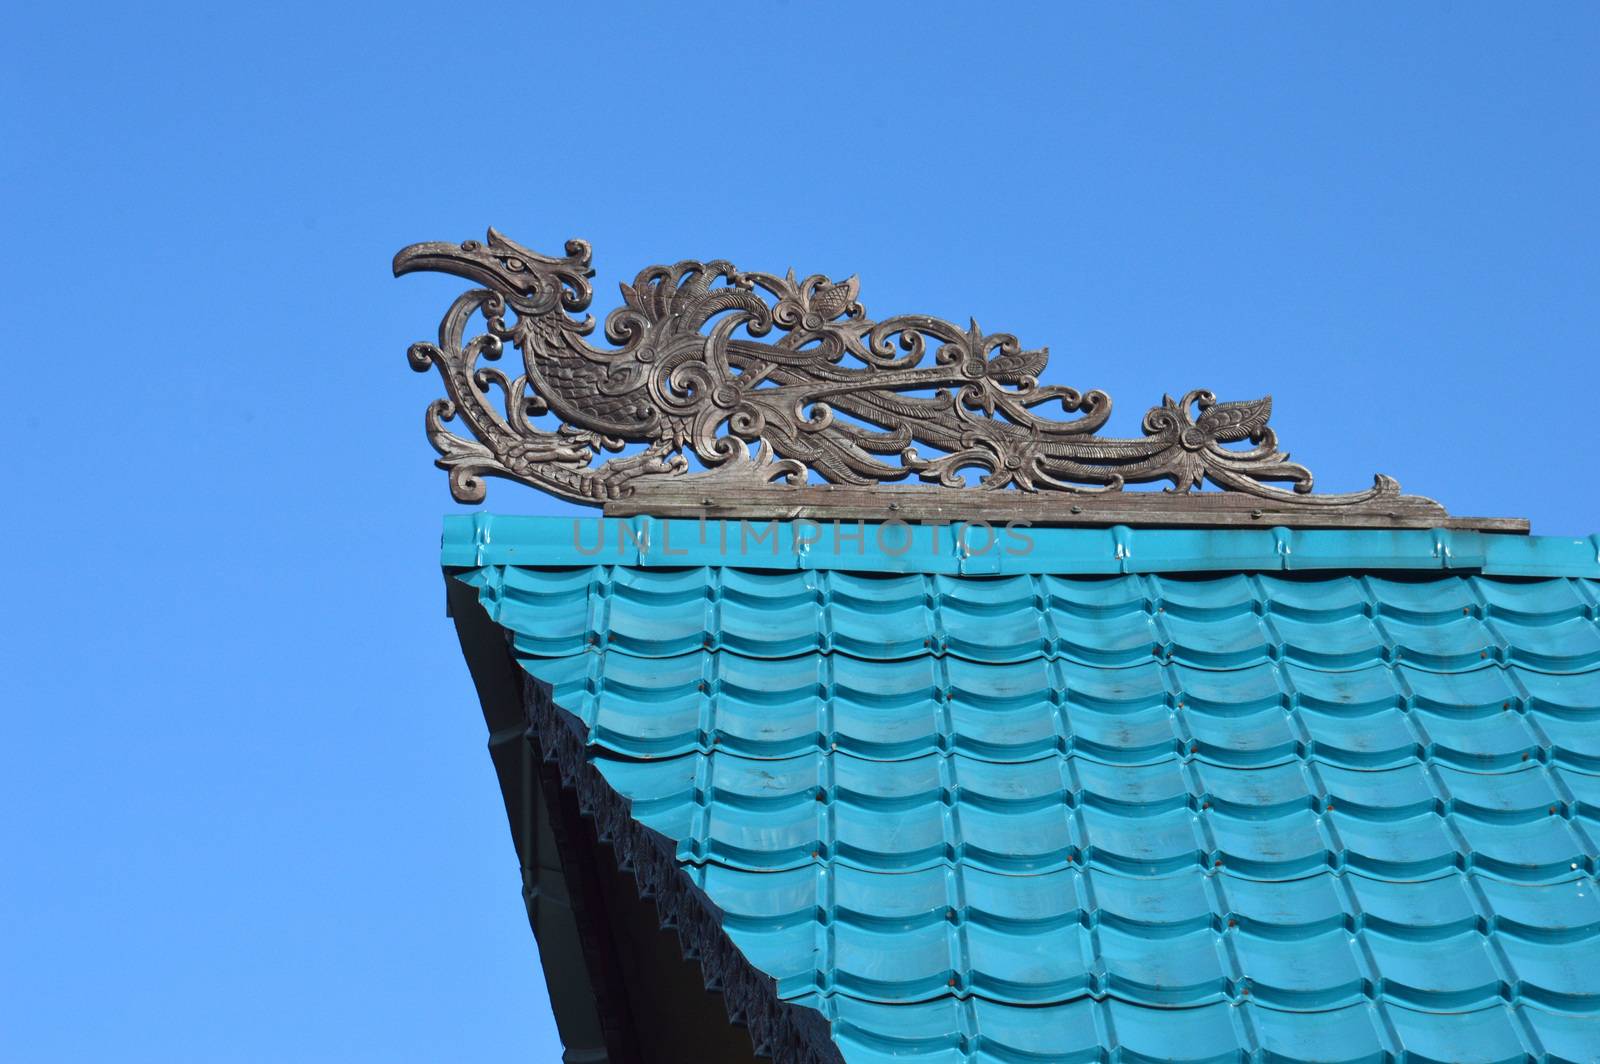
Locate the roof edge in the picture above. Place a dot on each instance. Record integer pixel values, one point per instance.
(978, 548)
(556, 798)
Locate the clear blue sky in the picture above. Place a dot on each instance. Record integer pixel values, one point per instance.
(248, 815)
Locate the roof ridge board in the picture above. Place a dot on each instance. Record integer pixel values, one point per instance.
(478, 539)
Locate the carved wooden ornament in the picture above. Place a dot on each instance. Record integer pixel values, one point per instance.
(794, 403)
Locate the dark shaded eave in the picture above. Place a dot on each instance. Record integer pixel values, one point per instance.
(621, 989)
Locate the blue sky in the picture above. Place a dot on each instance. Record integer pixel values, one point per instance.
(249, 814)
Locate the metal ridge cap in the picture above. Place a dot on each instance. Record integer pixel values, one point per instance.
(976, 548)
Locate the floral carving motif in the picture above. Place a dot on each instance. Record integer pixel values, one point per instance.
(709, 360)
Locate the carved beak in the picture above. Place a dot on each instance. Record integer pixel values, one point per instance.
(470, 260)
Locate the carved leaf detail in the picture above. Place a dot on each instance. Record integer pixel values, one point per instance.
(1231, 422)
(1009, 369)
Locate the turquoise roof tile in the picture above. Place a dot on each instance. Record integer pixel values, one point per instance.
(1204, 807)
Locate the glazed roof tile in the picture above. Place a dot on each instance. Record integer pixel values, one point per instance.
(1068, 813)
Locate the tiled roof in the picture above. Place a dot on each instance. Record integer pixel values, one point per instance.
(1342, 814)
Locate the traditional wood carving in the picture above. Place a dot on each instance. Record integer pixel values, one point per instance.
(773, 384)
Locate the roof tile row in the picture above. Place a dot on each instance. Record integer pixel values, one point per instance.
(1136, 818)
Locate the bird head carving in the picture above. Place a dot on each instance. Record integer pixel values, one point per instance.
(534, 283)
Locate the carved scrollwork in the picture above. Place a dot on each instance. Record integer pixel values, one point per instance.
(765, 380)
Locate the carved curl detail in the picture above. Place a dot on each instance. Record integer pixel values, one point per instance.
(708, 360)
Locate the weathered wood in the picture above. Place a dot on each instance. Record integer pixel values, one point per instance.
(825, 502)
(770, 383)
